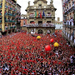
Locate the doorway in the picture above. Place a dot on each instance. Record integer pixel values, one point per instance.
(40, 31)
(39, 22)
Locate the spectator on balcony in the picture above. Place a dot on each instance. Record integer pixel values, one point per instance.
(71, 20)
(67, 22)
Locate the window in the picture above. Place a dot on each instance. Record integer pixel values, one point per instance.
(24, 22)
(48, 21)
(48, 12)
(40, 4)
(31, 21)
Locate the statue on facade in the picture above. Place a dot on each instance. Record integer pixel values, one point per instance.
(28, 3)
(51, 2)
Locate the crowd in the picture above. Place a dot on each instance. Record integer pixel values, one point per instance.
(23, 54)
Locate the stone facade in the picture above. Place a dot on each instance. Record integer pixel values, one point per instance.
(40, 17)
(38, 8)
(39, 30)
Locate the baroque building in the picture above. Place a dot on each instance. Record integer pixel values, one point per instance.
(40, 17)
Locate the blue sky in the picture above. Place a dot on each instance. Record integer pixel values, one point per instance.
(57, 4)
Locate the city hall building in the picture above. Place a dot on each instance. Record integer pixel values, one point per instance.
(40, 17)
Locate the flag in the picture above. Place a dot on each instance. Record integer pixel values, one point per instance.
(35, 14)
(43, 14)
(40, 15)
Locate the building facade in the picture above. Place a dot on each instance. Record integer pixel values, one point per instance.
(23, 20)
(8, 16)
(40, 12)
(69, 20)
(58, 25)
(41, 16)
(18, 17)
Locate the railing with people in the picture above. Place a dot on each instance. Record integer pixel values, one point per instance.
(41, 25)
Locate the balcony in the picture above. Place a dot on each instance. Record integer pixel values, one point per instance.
(40, 7)
(67, 1)
(6, 6)
(69, 26)
(47, 16)
(14, 26)
(0, 6)
(6, 20)
(10, 21)
(10, 2)
(6, 13)
(71, 38)
(9, 14)
(41, 25)
(13, 20)
(0, 21)
(11, 27)
(13, 15)
(66, 11)
(6, 28)
(0, 14)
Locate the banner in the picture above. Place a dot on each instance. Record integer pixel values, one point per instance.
(35, 14)
(41, 15)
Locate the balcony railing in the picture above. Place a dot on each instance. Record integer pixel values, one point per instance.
(0, 21)
(10, 2)
(67, 1)
(9, 20)
(11, 27)
(69, 26)
(10, 8)
(6, 20)
(6, 28)
(6, 6)
(6, 13)
(0, 6)
(10, 14)
(68, 10)
(42, 16)
(0, 14)
(14, 26)
(41, 25)
(40, 7)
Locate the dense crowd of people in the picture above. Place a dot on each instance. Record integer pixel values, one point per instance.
(23, 54)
